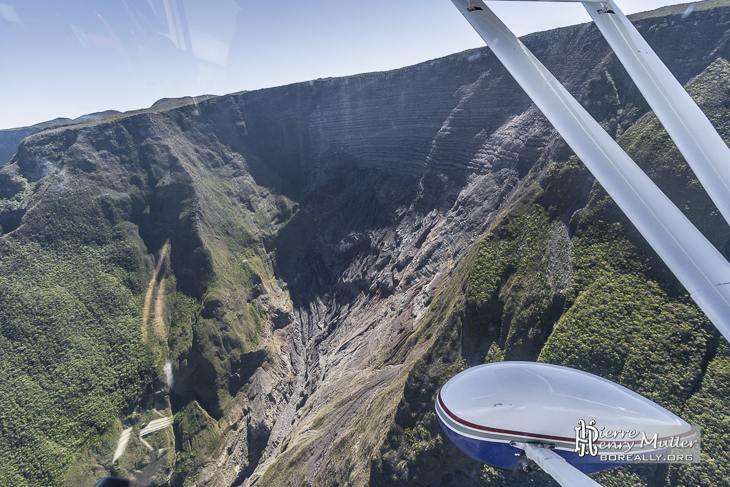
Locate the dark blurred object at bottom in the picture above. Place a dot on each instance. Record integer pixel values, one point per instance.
(112, 482)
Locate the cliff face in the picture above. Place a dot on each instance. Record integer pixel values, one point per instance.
(315, 260)
(9, 140)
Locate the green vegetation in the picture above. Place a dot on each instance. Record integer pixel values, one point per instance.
(648, 143)
(709, 407)
(70, 351)
(632, 333)
(87, 320)
(198, 438)
(516, 288)
(608, 306)
(636, 325)
(87, 323)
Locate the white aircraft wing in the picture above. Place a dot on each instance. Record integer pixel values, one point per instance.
(703, 271)
(696, 138)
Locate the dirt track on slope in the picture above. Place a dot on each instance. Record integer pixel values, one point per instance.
(158, 321)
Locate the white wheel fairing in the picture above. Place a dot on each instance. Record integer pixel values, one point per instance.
(485, 408)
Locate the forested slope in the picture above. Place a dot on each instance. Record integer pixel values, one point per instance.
(564, 278)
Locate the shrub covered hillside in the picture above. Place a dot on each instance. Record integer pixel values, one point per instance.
(106, 266)
(563, 277)
(70, 284)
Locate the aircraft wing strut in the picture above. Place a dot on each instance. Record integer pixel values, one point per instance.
(703, 271)
(556, 466)
(696, 138)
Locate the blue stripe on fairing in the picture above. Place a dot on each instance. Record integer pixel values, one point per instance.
(503, 455)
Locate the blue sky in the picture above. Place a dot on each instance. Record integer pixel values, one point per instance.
(69, 58)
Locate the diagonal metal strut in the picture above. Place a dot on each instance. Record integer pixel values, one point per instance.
(703, 271)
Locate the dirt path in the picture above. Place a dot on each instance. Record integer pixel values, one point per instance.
(150, 292)
(122, 444)
(159, 321)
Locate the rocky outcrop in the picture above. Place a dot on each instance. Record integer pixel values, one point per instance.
(392, 198)
(11, 138)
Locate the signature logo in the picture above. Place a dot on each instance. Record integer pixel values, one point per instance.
(635, 445)
(586, 436)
